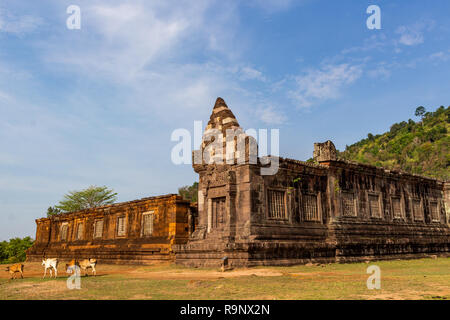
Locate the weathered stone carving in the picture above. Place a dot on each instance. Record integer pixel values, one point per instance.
(141, 231)
(324, 152)
(326, 212)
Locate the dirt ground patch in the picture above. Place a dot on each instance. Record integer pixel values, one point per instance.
(30, 290)
(207, 274)
(404, 279)
(35, 269)
(411, 295)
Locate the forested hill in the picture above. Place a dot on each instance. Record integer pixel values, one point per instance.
(420, 147)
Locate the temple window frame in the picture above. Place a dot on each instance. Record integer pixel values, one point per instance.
(284, 216)
(421, 210)
(152, 228)
(402, 216)
(61, 233)
(303, 197)
(118, 232)
(380, 205)
(78, 236)
(355, 203)
(438, 210)
(96, 221)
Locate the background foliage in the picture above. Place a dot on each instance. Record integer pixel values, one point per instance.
(417, 147)
(13, 251)
(189, 192)
(91, 197)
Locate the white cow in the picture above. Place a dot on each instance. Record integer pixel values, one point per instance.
(50, 264)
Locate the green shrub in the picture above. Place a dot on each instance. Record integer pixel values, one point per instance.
(14, 250)
(417, 147)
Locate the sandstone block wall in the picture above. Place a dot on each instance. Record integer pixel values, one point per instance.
(326, 211)
(131, 244)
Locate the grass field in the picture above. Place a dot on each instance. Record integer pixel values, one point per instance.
(407, 279)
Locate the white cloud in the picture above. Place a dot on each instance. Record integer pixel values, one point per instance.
(125, 39)
(19, 25)
(380, 71)
(248, 73)
(410, 37)
(124, 42)
(5, 96)
(269, 115)
(145, 48)
(10, 72)
(318, 85)
(374, 42)
(414, 35)
(440, 56)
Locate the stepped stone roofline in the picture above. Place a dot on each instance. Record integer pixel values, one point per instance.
(325, 210)
(359, 165)
(303, 163)
(386, 170)
(222, 118)
(105, 209)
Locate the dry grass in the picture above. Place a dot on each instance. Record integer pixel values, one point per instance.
(412, 279)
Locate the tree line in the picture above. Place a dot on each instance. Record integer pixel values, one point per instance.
(420, 147)
(91, 197)
(14, 250)
(94, 196)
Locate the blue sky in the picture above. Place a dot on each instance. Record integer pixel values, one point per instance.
(97, 106)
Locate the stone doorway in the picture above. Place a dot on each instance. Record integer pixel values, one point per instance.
(217, 212)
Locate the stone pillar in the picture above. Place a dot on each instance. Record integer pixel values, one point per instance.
(209, 215)
(201, 201)
(202, 208)
(447, 202)
(231, 190)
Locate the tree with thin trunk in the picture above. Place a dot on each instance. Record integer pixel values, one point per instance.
(189, 192)
(420, 112)
(91, 197)
(52, 211)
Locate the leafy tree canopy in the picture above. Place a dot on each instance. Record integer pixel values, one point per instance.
(14, 250)
(189, 192)
(420, 111)
(417, 147)
(52, 211)
(91, 197)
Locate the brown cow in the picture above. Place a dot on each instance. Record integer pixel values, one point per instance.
(18, 267)
(72, 264)
(83, 264)
(88, 263)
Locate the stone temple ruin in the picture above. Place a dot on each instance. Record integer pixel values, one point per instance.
(328, 210)
(141, 231)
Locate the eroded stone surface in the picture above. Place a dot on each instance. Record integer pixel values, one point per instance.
(171, 218)
(325, 212)
(329, 211)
